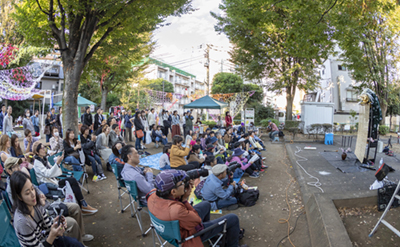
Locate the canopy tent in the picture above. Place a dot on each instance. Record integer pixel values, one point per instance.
(206, 102)
(81, 103)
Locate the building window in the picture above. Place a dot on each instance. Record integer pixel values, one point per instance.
(351, 96)
(341, 68)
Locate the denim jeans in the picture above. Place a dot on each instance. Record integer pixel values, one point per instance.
(163, 140)
(223, 203)
(95, 162)
(48, 138)
(167, 167)
(36, 129)
(232, 225)
(273, 134)
(137, 143)
(74, 162)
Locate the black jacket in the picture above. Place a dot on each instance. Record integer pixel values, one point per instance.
(138, 124)
(68, 149)
(88, 146)
(87, 119)
(96, 123)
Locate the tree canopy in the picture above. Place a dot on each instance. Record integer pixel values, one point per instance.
(282, 42)
(157, 85)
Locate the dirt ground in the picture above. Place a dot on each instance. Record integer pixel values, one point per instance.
(360, 221)
(113, 228)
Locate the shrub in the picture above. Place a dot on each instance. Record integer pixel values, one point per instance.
(291, 124)
(356, 126)
(383, 129)
(264, 123)
(211, 123)
(327, 128)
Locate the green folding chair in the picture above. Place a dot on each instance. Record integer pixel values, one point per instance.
(170, 231)
(121, 187)
(7, 232)
(137, 206)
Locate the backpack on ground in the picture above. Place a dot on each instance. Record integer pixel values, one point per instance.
(281, 133)
(248, 197)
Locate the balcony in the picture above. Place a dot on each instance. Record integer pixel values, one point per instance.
(351, 100)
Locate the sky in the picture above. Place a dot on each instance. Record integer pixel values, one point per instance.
(181, 40)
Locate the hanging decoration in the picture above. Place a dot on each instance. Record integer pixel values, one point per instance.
(7, 54)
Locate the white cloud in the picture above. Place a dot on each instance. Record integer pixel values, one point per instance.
(180, 40)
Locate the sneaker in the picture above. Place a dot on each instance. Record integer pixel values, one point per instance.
(95, 178)
(261, 171)
(87, 238)
(88, 210)
(102, 177)
(254, 175)
(263, 166)
(233, 207)
(264, 158)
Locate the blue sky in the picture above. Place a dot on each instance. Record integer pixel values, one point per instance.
(182, 39)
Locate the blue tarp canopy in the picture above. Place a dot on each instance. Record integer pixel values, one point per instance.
(81, 102)
(206, 102)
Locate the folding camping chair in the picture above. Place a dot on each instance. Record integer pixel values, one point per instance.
(54, 193)
(121, 187)
(80, 176)
(137, 206)
(170, 231)
(7, 232)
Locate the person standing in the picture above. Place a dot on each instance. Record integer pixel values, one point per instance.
(145, 126)
(138, 126)
(48, 126)
(59, 123)
(189, 122)
(3, 113)
(183, 123)
(228, 119)
(165, 122)
(98, 119)
(8, 122)
(152, 118)
(176, 130)
(128, 125)
(27, 122)
(87, 118)
(35, 122)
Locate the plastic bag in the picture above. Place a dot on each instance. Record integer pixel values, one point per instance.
(69, 194)
(123, 124)
(148, 138)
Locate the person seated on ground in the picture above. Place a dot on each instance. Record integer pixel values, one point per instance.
(220, 151)
(210, 150)
(88, 144)
(16, 152)
(214, 192)
(71, 150)
(208, 139)
(115, 136)
(5, 145)
(209, 163)
(32, 225)
(45, 173)
(110, 119)
(221, 141)
(196, 155)
(251, 127)
(258, 139)
(169, 202)
(131, 172)
(164, 159)
(29, 140)
(241, 129)
(102, 143)
(235, 136)
(158, 136)
(100, 128)
(198, 142)
(248, 167)
(178, 154)
(253, 142)
(115, 157)
(203, 139)
(274, 130)
(75, 226)
(189, 136)
(56, 142)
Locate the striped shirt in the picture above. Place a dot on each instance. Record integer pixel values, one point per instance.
(32, 232)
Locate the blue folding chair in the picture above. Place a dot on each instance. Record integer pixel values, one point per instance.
(137, 206)
(7, 232)
(121, 187)
(170, 231)
(80, 176)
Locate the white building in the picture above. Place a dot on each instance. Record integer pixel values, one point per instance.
(336, 86)
(184, 82)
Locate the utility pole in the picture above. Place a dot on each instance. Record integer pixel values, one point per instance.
(163, 94)
(207, 65)
(222, 65)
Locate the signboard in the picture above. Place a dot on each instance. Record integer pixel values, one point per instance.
(249, 113)
(91, 108)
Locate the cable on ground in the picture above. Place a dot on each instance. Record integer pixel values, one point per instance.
(317, 183)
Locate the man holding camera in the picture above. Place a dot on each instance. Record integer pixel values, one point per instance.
(131, 172)
(214, 192)
(170, 202)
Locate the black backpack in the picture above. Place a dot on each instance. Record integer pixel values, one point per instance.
(248, 197)
(281, 133)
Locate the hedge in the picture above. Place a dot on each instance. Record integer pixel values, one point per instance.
(383, 129)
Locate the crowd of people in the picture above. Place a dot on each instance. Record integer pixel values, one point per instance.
(108, 141)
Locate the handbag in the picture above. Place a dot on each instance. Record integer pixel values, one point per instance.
(139, 134)
(47, 130)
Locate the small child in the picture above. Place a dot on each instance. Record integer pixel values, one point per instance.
(164, 159)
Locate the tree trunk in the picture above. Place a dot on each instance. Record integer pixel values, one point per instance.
(104, 92)
(289, 102)
(72, 72)
(384, 110)
(390, 124)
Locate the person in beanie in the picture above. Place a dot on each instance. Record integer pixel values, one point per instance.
(169, 201)
(214, 193)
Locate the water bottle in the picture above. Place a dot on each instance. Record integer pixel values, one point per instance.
(381, 162)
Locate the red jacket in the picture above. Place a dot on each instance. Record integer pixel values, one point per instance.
(169, 210)
(228, 121)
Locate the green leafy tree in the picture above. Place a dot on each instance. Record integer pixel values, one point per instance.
(393, 102)
(282, 42)
(224, 82)
(80, 28)
(157, 85)
(368, 32)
